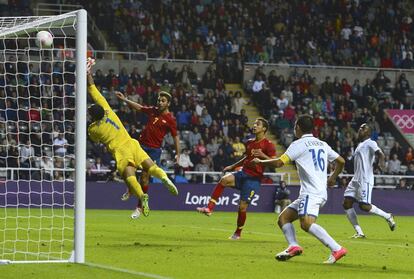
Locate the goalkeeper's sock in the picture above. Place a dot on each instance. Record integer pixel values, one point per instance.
(134, 186)
(241, 219)
(157, 172)
(218, 190)
(145, 190)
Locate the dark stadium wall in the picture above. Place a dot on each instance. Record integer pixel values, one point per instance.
(108, 196)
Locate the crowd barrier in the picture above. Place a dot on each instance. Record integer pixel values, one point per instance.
(108, 196)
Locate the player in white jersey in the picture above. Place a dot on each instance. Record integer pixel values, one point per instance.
(360, 187)
(311, 156)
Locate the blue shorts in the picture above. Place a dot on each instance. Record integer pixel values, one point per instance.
(248, 185)
(154, 153)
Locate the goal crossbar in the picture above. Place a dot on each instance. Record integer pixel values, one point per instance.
(33, 23)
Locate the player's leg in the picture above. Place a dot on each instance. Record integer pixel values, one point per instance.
(155, 155)
(351, 194)
(153, 170)
(248, 188)
(130, 178)
(352, 216)
(144, 185)
(241, 219)
(227, 180)
(145, 177)
(285, 220)
(142, 158)
(366, 205)
(308, 212)
(370, 208)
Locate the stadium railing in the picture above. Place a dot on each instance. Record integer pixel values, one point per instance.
(383, 181)
(322, 71)
(249, 69)
(116, 55)
(10, 174)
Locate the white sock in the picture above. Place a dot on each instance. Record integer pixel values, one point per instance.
(377, 211)
(323, 236)
(290, 234)
(352, 217)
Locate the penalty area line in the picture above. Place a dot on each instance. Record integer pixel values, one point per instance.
(132, 272)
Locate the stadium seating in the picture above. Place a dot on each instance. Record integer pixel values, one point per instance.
(348, 33)
(140, 27)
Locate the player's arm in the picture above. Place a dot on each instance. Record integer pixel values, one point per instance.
(258, 153)
(177, 147)
(96, 95)
(339, 166)
(235, 165)
(381, 159)
(273, 162)
(131, 104)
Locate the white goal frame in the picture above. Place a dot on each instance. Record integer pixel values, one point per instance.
(28, 24)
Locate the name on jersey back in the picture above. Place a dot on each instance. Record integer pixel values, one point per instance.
(313, 143)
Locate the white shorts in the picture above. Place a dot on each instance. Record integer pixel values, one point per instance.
(360, 191)
(308, 205)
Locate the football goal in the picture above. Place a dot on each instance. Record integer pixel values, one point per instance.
(43, 138)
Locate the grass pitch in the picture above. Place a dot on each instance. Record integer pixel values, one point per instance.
(170, 244)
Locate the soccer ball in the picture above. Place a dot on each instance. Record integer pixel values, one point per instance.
(44, 39)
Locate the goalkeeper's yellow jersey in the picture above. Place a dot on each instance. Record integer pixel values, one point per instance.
(109, 130)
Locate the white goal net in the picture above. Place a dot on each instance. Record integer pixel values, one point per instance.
(42, 124)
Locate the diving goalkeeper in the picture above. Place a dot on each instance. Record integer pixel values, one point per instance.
(106, 128)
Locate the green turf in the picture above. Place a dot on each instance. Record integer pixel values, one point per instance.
(189, 245)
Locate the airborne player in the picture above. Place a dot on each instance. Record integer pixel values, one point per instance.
(160, 122)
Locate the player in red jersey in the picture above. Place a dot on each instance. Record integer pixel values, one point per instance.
(247, 180)
(160, 122)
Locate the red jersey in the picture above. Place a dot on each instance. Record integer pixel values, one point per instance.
(266, 146)
(157, 127)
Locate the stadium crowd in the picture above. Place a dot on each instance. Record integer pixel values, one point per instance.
(212, 123)
(368, 33)
(339, 107)
(211, 120)
(37, 111)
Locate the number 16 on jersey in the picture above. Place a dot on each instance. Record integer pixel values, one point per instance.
(318, 159)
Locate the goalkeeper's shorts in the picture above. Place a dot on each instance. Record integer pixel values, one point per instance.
(129, 154)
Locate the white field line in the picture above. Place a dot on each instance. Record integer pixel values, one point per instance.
(116, 269)
(111, 268)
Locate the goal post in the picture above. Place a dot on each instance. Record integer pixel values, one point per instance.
(80, 167)
(43, 139)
